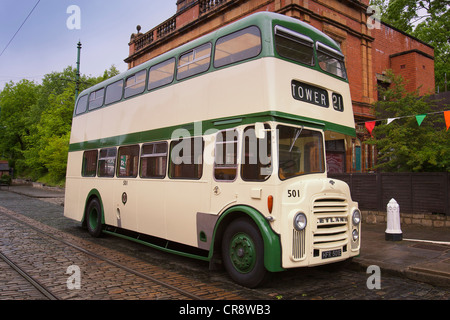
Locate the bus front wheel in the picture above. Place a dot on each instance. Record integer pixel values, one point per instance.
(243, 253)
(94, 218)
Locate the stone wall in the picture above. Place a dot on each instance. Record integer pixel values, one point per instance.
(418, 219)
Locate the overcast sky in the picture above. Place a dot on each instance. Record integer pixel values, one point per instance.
(48, 39)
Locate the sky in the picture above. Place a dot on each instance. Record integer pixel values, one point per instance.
(47, 41)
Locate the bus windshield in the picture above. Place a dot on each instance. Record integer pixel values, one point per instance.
(300, 152)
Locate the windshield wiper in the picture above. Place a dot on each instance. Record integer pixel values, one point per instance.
(297, 134)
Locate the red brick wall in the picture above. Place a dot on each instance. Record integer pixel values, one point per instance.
(406, 56)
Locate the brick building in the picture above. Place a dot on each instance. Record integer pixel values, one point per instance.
(369, 51)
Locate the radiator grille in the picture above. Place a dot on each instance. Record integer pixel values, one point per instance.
(332, 222)
(298, 244)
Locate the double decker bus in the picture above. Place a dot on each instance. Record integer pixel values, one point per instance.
(216, 150)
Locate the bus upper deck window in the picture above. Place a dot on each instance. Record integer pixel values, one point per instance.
(135, 84)
(161, 74)
(331, 60)
(238, 46)
(81, 105)
(114, 92)
(294, 46)
(96, 99)
(194, 61)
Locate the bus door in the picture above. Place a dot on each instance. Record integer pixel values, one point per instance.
(225, 170)
(125, 187)
(152, 190)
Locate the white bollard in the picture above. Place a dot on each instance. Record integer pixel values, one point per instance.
(393, 231)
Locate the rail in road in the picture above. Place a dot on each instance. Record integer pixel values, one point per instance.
(63, 267)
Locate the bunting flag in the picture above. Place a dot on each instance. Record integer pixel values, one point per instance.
(420, 118)
(447, 119)
(390, 120)
(369, 126)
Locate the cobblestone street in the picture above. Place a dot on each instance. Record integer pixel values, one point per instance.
(322, 283)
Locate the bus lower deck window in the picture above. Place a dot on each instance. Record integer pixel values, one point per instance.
(90, 163)
(128, 161)
(225, 157)
(154, 160)
(186, 158)
(257, 155)
(107, 162)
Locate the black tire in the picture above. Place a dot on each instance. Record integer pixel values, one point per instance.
(243, 253)
(94, 218)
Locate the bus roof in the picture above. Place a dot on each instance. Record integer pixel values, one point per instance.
(264, 20)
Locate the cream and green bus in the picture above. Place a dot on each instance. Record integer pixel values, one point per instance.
(216, 150)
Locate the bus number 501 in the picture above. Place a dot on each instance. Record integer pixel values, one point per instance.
(293, 193)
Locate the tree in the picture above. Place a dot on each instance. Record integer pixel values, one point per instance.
(404, 145)
(16, 103)
(35, 123)
(429, 21)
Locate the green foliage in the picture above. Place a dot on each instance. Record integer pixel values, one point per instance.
(5, 179)
(403, 145)
(35, 123)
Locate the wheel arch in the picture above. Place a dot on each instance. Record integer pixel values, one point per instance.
(94, 193)
(272, 244)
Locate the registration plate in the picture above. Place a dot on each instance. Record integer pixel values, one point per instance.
(331, 254)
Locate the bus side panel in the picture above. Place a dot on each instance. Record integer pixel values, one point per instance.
(73, 205)
(151, 209)
(183, 200)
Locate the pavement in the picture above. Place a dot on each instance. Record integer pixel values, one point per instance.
(423, 254)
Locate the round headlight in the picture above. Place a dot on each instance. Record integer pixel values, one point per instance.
(356, 218)
(355, 235)
(300, 221)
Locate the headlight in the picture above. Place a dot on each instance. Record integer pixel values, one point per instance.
(355, 235)
(356, 217)
(300, 221)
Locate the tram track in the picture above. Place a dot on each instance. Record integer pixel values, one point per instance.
(35, 283)
(47, 292)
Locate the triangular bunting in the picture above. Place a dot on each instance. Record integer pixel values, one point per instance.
(420, 118)
(447, 119)
(369, 126)
(390, 120)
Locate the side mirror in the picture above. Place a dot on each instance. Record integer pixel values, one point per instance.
(260, 130)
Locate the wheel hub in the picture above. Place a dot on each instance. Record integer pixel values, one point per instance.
(242, 252)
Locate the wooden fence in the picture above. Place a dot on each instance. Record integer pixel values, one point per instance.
(414, 192)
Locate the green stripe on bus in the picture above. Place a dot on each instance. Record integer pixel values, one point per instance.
(219, 124)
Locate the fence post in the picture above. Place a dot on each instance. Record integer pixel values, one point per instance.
(393, 231)
(447, 192)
